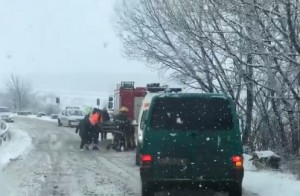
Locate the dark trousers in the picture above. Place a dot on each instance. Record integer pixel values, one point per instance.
(96, 137)
(95, 134)
(85, 139)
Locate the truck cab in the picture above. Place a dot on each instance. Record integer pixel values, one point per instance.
(129, 96)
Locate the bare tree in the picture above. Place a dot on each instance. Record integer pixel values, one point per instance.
(247, 49)
(19, 92)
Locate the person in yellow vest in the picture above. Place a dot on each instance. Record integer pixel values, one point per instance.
(87, 129)
(95, 120)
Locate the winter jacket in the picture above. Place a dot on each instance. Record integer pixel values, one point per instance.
(84, 126)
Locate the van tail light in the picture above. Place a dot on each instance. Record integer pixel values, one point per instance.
(146, 158)
(237, 161)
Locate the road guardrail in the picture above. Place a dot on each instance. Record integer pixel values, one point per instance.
(4, 132)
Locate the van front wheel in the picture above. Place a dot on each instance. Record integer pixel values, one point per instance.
(147, 189)
(236, 190)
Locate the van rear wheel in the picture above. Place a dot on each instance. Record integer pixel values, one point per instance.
(236, 190)
(137, 155)
(147, 189)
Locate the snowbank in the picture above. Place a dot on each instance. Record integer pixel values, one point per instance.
(248, 166)
(266, 153)
(19, 143)
(268, 183)
(45, 118)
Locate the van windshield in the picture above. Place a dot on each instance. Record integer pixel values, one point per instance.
(75, 113)
(192, 113)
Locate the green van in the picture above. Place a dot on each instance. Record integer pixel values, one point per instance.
(191, 140)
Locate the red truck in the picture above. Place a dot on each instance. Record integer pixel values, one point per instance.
(127, 95)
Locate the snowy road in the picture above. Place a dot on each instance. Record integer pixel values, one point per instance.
(55, 166)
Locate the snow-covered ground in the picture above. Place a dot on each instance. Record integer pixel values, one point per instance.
(45, 118)
(269, 183)
(18, 145)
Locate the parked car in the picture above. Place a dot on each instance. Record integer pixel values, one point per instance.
(40, 114)
(191, 139)
(24, 113)
(6, 115)
(266, 159)
(54, 116)
(70, 116)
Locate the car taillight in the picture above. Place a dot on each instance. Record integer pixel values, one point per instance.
(237, 161)
(146, 158)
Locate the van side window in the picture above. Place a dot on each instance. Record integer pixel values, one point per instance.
(191, 113)
(143, 118)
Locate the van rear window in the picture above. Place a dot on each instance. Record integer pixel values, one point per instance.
(192, 113)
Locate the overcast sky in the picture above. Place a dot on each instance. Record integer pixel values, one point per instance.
(58, 43)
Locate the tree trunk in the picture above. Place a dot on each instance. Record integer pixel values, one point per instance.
(279, 121)
(249, 99)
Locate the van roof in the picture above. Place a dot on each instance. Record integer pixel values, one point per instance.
(208, 95)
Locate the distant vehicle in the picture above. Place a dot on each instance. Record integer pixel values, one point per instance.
(129, 96)
(6, 115)
(192, 138)
(54, 116)
(24, 113)
(40, 114)
(70, 116)
(266, 159)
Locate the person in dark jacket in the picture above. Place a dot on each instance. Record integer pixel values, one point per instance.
(105, 118)
(87, 128)
(84, 129)
(125, 126)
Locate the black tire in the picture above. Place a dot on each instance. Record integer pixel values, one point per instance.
(147, 189)
(59, 123)
(137, 156)
(236, 190)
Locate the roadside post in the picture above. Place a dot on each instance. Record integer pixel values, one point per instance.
(98, 103)
(57, 103)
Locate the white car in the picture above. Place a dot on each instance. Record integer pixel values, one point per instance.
(6, 115)
(70, 117)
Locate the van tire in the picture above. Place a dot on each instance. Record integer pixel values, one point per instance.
(147, 189)
(137, 160)
(236, 190)
(137, 155)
